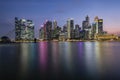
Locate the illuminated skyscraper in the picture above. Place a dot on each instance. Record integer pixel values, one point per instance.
(98, 25)
(70, 28)
(65, 28)
(86, 27)
(77, 31)
(86, 23)
(24, 29)
(54, 24)
(48, 30)
(42, 33)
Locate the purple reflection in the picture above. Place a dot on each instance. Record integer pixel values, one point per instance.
(81, 48)
(43, 55)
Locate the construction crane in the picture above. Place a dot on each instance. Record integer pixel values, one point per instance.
(10, 33)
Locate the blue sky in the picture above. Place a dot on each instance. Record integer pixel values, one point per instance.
(60, 10)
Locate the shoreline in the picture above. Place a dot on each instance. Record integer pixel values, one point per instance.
(59, 41)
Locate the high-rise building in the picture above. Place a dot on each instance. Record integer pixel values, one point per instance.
(99, 25)
(86, 23)
(93, 30)
(42, 33)
(77, 31)
(86, 27)
(70, 28)
(96, 24)
(54, 24)
(48, 30)
(55, 31)
(64, 28)
(24, 29)
(87, 18)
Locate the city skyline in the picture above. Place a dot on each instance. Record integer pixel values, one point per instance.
(39, 11)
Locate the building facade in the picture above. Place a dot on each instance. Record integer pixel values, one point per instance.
(86, 27)
(99, 25)
(70, 28)
(41, 33)
(86, 23)
(77, 31)
(54, 24)
(24, 30)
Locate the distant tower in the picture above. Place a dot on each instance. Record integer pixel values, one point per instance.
(41, 33)
(86, 23)
(64, 28)
(24, 29)
(87, 18)
(17, 29)
(48, 30)
(99, 25)
(54, 24)
(70, 27)
(86, 28)
(77, 31)
(96, 19)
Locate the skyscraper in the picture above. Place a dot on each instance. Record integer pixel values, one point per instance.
(86, 23)
(77, 31)
(48, 29)
(96, 24)
(70, 28)
(42, 33)
(65, 28)
(24, 29)
(86, 27)
(54, 24)
(99, 25)
(93, 30)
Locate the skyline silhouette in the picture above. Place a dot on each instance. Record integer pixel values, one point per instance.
(39, 11)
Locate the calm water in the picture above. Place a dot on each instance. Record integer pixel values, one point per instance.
(60, 61)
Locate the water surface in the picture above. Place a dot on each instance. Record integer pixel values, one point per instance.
(60, 61)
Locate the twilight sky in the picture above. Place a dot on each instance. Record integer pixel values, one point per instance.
(60, 10)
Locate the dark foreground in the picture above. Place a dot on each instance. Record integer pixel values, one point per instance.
(60, 61)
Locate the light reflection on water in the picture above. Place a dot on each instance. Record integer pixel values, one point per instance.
(54, 60)
(24, 58)
(43, 55)
(55, 56)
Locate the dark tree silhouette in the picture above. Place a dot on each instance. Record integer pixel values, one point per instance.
(5, 39)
